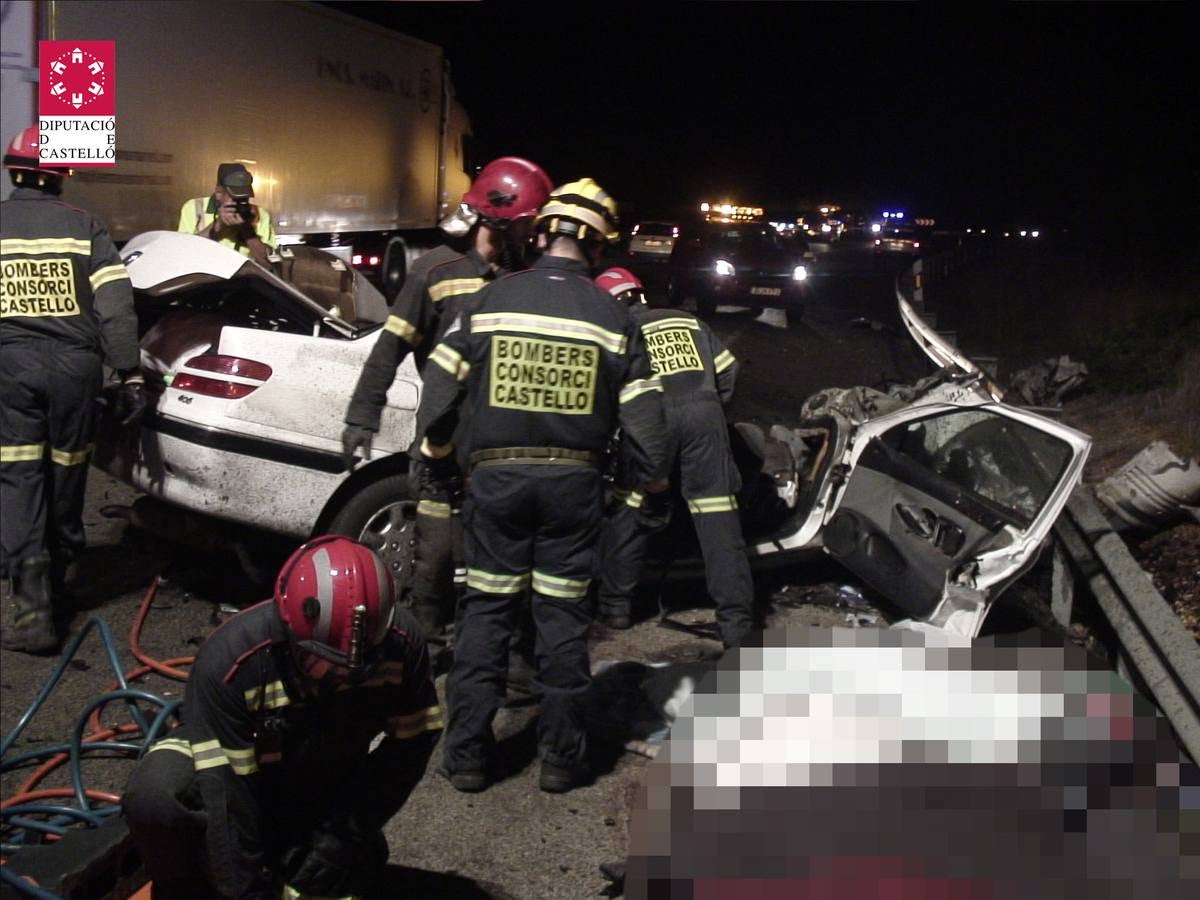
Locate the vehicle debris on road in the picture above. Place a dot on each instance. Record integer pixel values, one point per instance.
(1049, 382)
(1155, 489)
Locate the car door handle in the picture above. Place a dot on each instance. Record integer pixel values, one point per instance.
(928, 525)
(921, 522)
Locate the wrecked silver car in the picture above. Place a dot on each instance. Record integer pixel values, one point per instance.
(249, 368)
(937, 495)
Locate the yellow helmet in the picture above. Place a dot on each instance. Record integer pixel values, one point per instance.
(580, 209)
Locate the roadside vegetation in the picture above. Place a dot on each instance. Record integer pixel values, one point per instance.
(1130, 314)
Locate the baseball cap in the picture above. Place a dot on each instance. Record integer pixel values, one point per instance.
(236, 179)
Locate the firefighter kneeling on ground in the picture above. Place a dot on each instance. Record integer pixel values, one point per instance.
(488, 237)
(697, 375)
(271, 777)
(66, 309)
(547, 366)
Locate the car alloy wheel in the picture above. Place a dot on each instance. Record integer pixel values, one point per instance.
(383, 516)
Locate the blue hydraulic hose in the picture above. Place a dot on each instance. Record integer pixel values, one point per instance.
(81, 723)
(25, 887)
(45, 827)
(66, 816)
(62, 817)
(169, 709)
(67, 655)
(92, 817)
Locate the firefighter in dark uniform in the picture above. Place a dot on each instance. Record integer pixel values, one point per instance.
(697, 375)
(547, 366)
(495, 220)
(66, 308)
(271, 776)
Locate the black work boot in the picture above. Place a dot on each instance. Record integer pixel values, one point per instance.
(616, 619)
(32, 630)
(554, 779)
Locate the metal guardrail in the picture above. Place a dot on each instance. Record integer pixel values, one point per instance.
(1154, 641)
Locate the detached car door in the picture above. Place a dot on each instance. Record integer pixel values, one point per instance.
(944, 505)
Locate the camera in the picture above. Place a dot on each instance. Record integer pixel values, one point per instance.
(244, 209)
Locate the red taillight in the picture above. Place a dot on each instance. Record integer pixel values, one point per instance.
(373, 261)
(356, 259)
(249, 376)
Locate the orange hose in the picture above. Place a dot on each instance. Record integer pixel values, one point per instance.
(135, 637)
(55, 761)
(26, 793)
(59, 793)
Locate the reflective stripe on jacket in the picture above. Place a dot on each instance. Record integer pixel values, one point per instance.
(61, 278)
(547, 360)
(436, 291)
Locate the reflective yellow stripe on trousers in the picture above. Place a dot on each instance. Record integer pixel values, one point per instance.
(10, 453)
(492, 583)
(562, 588)
(71, 457)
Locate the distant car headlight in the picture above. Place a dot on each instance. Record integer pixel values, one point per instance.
(724, 268)
(800, 273)
(826, 228)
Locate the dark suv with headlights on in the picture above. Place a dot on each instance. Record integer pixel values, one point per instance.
(740, 264)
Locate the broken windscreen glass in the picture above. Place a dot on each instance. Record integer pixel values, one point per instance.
(1008, 464)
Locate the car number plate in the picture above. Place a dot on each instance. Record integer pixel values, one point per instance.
(766, 291)
(650, 243)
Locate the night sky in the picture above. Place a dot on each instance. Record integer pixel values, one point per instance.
(1010, 114)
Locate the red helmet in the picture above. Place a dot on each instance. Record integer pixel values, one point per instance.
(622, 284)
(507, 189)
(336, 600)
(22, 154)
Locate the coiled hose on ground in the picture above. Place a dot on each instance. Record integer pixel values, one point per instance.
(36, 815)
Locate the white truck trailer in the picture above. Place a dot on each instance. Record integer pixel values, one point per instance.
(352, 131)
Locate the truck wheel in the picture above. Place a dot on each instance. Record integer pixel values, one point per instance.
(395, 269)
(382, 515)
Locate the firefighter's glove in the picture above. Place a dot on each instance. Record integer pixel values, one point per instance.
(355, 437)
(340, 861)
(129, 404)
(655, 512)
(290, 893)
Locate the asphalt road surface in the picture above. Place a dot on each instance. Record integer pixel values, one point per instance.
(512, 840)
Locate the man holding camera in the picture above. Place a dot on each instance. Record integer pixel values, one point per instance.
(230, 216)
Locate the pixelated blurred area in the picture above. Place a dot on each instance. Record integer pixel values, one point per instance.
(849, 762)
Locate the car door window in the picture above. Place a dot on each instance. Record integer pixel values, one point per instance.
(1008, 467)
